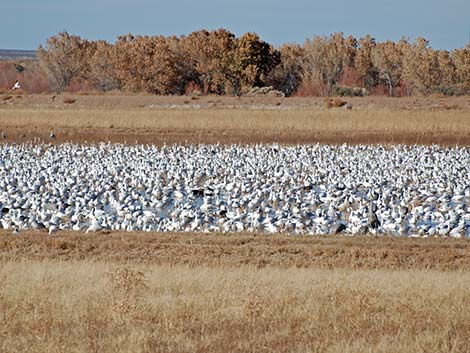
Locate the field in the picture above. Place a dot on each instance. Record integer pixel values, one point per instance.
(198, 293)
(158, 120)
(235, 250)
(184, 292)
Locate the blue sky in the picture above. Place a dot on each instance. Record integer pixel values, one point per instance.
(27, 23)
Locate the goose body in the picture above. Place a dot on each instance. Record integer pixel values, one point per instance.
(16, 85)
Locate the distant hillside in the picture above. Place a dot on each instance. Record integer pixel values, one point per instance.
(7, 54)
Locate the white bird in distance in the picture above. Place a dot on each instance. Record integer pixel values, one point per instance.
(16, 85)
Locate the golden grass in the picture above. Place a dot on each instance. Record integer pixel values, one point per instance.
(81, 123)
(421, 121)
(82, 306)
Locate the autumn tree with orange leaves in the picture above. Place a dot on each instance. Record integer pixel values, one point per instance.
(461, 59)
(218, 62)
(210, 59)
(66, 57)
(287, 76)
(327, 58)
(254, 59)
(387, 58)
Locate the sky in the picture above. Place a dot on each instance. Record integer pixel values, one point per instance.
(25, 24)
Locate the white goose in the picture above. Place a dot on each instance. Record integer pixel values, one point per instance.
(16, 85)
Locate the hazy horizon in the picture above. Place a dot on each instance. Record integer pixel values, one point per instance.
(28, 24)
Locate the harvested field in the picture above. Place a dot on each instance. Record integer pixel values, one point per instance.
(54, 306)
(282, 251)
(122, 292)
(186, 292)
(293, 126)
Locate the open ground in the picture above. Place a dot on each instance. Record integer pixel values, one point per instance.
(233, 250)
(158, 120)
(207, 293)
(122, 292)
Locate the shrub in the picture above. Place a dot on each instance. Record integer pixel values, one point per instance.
(69, 100)
(338, 102)
(264, 91)
(450, 91)
(334, 103)
(343, 91)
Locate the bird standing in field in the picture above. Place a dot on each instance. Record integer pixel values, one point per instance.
(393, 190)
(52, 135)
(16, 85)
(4, 135)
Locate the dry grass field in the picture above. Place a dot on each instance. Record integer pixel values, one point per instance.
(289, 121)
(234, 250)
(105, 307)
(118, 100)
(123, 292)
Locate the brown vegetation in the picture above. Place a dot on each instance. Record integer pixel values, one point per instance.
(158, 120)
(69, 100)
(32, 78)
(217, 62)
(334, 103)
(214, 61)
(283, 251)
(206, 293)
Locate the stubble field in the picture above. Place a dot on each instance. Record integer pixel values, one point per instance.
(123, 292)
(158, 120)
(211, 293)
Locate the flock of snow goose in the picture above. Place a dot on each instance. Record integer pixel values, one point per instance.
(305, 189)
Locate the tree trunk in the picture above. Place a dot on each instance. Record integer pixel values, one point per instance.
(390, 86)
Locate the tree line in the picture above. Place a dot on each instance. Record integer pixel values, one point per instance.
(218, 62)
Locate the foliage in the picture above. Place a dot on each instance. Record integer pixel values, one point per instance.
(421, 67)
(287, 76)
(66, 57)
(461, 58)
(326, 58)
(254, 59)
(218, 62)
(349, 91)
(146, 64)
(388, 59)
(102, 68)
(211, 60)
(363, 62)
